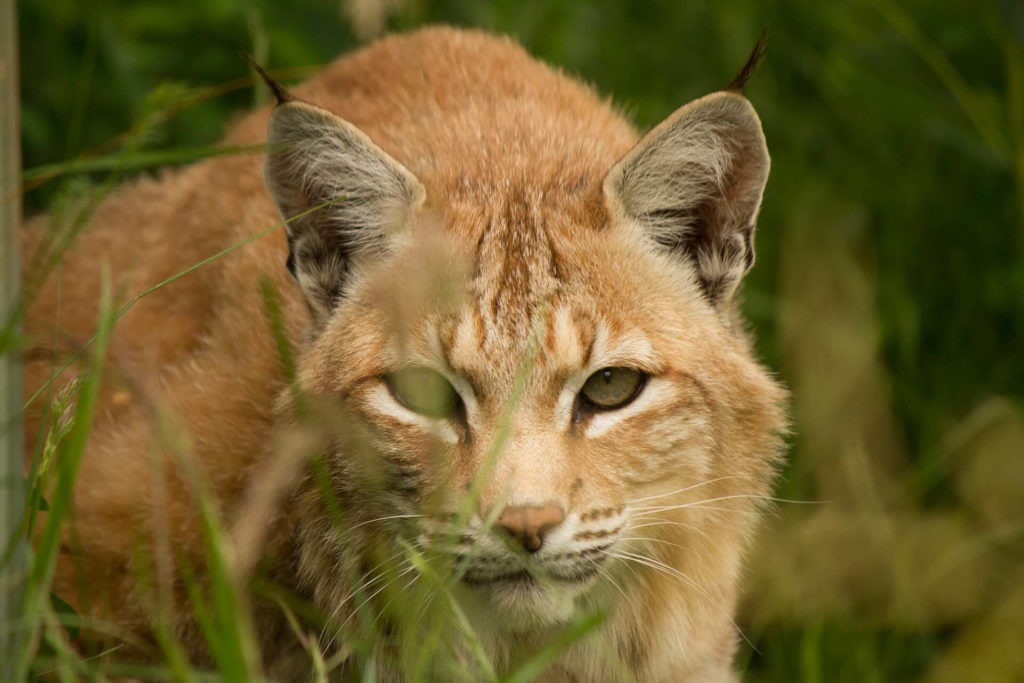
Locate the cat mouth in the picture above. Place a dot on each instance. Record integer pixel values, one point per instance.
(563, 570)
(523, 578)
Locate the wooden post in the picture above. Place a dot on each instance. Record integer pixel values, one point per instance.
(12, 494)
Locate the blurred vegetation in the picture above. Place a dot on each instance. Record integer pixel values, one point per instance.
(889, 290)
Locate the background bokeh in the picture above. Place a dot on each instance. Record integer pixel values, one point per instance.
(889, 289)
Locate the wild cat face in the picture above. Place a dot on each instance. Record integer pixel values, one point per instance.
(528, 429)
(541, 377)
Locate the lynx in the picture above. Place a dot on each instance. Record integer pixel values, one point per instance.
(485, 383)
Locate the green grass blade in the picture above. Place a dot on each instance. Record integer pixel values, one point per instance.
(71, 450)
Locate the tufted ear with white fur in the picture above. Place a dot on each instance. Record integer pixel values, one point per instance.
(694, 185)
(344, 198)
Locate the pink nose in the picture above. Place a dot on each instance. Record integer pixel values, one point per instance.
(530, 524)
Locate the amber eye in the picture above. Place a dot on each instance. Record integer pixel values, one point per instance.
(611, 388)
(424, 391)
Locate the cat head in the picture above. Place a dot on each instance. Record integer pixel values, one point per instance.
(533, 352)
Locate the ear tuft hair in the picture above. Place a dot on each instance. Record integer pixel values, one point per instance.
(280, 93)
(753, 61)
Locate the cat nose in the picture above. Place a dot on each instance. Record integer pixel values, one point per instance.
(530, 524)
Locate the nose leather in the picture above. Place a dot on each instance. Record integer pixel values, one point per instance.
(530, 524)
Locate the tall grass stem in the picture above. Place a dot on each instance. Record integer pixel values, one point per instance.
(11, 503)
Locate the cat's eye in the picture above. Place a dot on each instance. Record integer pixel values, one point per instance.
(611, 388)
(424, 391)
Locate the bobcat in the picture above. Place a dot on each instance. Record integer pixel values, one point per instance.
(486, 384)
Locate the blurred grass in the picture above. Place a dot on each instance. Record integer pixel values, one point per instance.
(889, 290)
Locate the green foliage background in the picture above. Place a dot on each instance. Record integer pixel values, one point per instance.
(889, 289)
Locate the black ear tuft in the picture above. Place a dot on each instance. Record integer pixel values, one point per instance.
(753, 61)
(280, 93)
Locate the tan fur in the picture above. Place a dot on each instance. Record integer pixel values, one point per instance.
(510, 233)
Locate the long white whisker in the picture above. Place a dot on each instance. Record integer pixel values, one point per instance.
(371, 577)
(658, 565)
(662, 508)
(654, 540)
(695, 505)
(407, 586)
(426, 605)
(683, 490)
(658, 521)
(661, 566)
(404, 572)
(608, 577)
(384, 519)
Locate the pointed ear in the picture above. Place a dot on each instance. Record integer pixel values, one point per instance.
(344, 198)
(694, 185)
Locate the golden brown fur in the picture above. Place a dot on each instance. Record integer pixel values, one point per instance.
(509, 233)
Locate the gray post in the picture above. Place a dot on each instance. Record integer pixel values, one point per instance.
(12, 495)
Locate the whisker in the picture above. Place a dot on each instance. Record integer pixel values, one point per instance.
(401, 574)
(608, 577)
(688, 488)
(424, 608)
(655, 540)
(406, 587)
(363, 583)
(753, 496)
(384, 519)
(698, 504)
(658, 521)
(658, 565)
